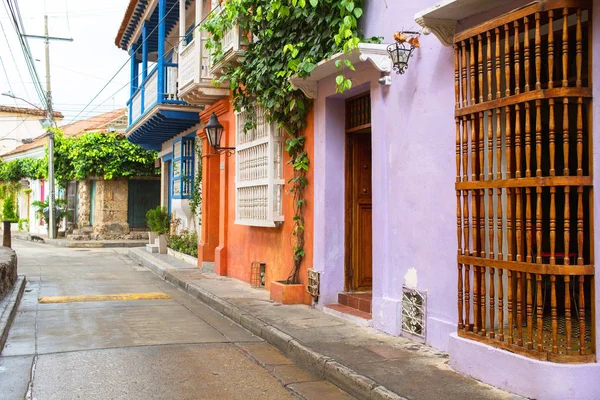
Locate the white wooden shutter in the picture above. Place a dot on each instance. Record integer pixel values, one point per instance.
(259, 172)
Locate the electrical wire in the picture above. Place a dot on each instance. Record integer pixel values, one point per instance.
(126, 62)
(67, 15)
(13, 56)
(17, 23)
(129, 59)
(15, 100)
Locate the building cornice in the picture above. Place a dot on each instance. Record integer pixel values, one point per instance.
(441, 18)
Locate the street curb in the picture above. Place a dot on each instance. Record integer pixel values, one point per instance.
(9, 312)
(318, 364)
(84, 244)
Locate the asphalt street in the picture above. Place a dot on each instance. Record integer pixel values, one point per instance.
(153, 342)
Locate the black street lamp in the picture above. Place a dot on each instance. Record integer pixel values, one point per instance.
(214, 133)
(402, 50)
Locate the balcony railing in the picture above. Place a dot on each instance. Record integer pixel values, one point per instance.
(233, 46)
(148, 94)
(194, 62)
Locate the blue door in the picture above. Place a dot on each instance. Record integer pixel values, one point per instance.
(143, 196)
(92, 202)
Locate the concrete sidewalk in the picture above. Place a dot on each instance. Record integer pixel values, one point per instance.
(364, 362)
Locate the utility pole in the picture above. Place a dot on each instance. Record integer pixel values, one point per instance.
(50, 133)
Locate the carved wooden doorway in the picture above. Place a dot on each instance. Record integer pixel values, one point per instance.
(359, 244)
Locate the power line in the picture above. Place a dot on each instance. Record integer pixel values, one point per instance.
(15, 100)
(10, 87)
(12, 55)
(78, 72)
(17, 23)
(67, 15)
(129, 59)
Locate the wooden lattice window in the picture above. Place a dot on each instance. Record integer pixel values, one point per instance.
(523, 182)
(259, 170)
(358, 113)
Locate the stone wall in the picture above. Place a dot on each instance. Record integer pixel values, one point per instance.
(8, 270)
(110, 214)
(83, 206)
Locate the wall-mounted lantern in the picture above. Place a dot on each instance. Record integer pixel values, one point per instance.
(401, 51)
(214, 133)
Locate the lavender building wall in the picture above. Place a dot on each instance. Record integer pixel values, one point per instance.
(414, 203)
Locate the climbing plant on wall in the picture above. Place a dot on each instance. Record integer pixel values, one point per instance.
(106, 155)
(289, 37)
(195, 201)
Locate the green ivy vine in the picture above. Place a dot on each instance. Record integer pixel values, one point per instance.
(285, 38)
(107, 155)
(195, 200)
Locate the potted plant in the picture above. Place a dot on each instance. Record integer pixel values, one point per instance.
(9, 211)
(43, 210)
(159, 222)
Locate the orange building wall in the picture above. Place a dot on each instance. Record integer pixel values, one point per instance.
(273, 246)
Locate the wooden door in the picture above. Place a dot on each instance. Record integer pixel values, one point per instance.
(143, 196)
(359, 246)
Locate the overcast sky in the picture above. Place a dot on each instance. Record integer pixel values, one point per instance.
(79, 69)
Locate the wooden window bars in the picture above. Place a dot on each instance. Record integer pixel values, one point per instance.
(524, 181)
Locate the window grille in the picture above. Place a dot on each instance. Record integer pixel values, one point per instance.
(259, 171)
(523, 181)
(183, 168)
(414, 308)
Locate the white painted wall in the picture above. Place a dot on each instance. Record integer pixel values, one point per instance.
(15, 127)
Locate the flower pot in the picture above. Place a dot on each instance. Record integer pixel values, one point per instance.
(152, 236)
(162, 243)
(284, 293)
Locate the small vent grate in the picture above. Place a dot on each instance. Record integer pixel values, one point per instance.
(414, 306)
(257, 274)
(314, 278)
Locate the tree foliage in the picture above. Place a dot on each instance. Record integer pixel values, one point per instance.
(9, 209)
(15, 170)
(106, 155)
(289, 37)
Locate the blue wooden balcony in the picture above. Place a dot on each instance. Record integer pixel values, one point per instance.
(156, 112)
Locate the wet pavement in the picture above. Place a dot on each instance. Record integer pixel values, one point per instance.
(175, 348)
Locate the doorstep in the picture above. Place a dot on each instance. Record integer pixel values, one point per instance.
(352, 306)
(348, 313)
(365, 363)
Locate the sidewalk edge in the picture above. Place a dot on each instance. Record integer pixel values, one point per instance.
(85, 244)
(11, 309)
(318, 364)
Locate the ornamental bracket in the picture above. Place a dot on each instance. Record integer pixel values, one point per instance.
(375, 53)
(443, 29)
(441, 18)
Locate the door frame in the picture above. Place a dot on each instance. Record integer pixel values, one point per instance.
(357, 122)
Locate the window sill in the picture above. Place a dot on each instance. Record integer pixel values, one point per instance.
(258, 223)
